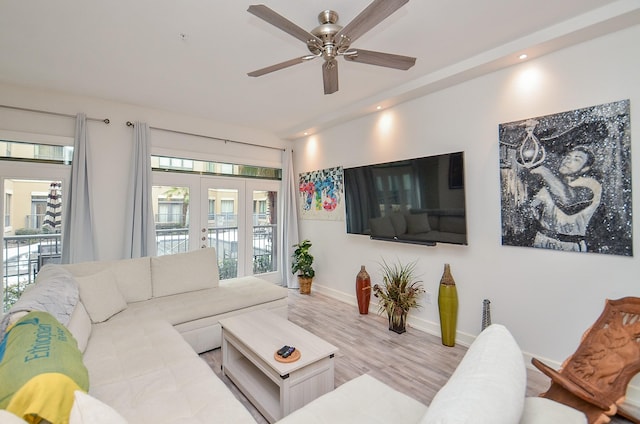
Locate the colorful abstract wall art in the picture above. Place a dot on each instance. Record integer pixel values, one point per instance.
(566, 181)
(321, 194)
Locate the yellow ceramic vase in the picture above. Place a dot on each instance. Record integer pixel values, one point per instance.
(448, 307)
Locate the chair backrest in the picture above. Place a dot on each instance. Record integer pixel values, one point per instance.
(609, 354)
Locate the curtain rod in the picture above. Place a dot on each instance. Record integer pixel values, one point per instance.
(131, 124)
(66, 115)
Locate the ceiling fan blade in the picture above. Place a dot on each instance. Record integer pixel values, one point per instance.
(371, 16)
(278, 66)
(381, 59)
(330, 76)
(279, 21)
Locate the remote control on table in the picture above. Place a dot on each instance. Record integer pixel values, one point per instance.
(288, 352)
(282, 350)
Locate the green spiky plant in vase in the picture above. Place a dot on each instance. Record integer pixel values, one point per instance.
(302, 263)
(398, 293)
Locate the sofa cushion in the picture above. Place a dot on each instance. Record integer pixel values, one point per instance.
(399, 223)
(184, 272)
(487, 387)
(453, 224)
(352, 403)
(230, 296)
(132, 275)
(100, 295)
(418, 223)
(382, 227)
(80, 326)
(89, 410)
(147, 372)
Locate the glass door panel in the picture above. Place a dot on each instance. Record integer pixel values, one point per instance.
(264, 237)
(222, 212)
(171, 216)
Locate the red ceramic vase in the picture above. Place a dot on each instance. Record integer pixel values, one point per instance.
(363, 290)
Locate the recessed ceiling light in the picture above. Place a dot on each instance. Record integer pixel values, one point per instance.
(378, 107)
(306, 133)
(523, 56)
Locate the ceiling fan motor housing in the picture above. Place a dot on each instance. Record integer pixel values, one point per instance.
(326, 32)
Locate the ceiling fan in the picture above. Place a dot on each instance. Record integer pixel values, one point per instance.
(330, 40)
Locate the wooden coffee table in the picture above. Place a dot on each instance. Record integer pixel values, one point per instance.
(249, 342)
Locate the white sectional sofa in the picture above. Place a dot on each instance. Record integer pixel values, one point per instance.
(141, 323)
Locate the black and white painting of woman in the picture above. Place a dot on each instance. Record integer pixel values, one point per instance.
(566, 181)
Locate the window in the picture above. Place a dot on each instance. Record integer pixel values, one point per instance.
(36, 152)
(164, 163)
(175, 163)
(170, 212)
(228, 212)
(38, 210)
(212, 209)
(45, 152)
(7, 209)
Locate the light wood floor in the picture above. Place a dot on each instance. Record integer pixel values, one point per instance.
(414, 363)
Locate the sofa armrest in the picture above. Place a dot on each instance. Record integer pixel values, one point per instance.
(363, 400)
(539, 410)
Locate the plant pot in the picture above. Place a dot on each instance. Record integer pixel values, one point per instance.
(305, 284)
(398, 325)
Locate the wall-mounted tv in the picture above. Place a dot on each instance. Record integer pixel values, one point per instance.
(419, 201)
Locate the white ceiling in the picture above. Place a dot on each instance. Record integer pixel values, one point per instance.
(192, 56)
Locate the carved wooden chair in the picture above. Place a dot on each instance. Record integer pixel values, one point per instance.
(594, 379)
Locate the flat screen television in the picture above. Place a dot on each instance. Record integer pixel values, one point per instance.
(420, 201)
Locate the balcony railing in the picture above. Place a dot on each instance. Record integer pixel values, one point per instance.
(23, 256)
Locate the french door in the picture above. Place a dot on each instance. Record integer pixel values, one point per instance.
(237, 216)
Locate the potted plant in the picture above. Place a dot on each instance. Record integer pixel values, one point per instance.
(398, 293)
(303, 264)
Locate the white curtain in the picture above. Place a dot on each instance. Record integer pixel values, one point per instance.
(290, 218)
(77, 235)
(140, 236)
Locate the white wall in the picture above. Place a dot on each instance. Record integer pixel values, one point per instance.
(110, 146)
(547, 298)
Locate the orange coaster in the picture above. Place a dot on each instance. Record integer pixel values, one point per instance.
(291, 358)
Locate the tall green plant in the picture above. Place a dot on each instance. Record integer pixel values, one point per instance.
(302, 260)
(399, 291)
